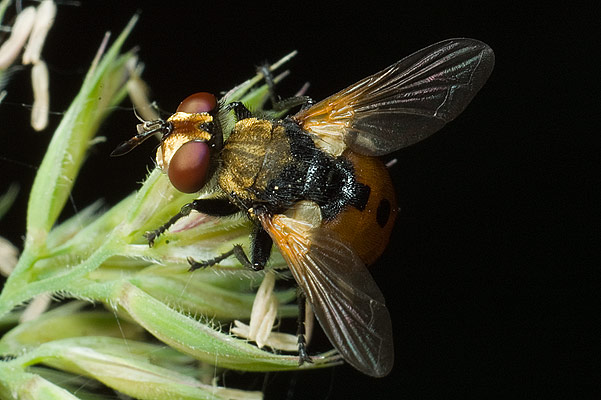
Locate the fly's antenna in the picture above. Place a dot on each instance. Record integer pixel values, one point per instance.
(145, 130)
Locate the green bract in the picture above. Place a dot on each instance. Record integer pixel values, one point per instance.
(148, 293)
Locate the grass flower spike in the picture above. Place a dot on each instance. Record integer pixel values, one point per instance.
(161, 325)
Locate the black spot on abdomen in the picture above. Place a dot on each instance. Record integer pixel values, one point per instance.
(383, 212)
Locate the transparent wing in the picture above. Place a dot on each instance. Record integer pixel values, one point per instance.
(406, 102)
(346, 300)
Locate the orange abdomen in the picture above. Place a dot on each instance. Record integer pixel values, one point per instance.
(368, 231)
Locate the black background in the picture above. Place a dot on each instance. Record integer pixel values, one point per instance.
(486, 275)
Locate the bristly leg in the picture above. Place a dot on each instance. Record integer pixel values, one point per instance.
(261, 244)
(260, 250)
(215, 207)
(152, 235)
(277, 103)
(303, 357)
(240, 110)
(236, 251)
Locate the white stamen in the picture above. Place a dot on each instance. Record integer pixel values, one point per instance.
(36, 307)
(262, 319)
(138, 93)
(44, 19)
(41, 96)
(8, 257)
(20, 32)
(261, 311)
(391, 162)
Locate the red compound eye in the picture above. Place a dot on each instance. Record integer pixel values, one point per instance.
(189, 167)
(200, 102)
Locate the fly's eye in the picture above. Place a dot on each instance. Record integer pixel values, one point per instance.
(189, 167)
(201, 102)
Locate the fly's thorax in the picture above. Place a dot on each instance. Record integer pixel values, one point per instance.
(255, 153)
(185, 127)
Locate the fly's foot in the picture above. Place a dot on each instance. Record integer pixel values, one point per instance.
(151, 236)
(194, 265)
(303, 357)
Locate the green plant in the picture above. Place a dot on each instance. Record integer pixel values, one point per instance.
(163, 331)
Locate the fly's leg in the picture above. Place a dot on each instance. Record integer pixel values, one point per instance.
(303, 357)
(261, 244)
(236, 251)
(214, 207)
(277, 103)
(240, 110)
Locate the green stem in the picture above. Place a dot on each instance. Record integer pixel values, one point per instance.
(17, 290)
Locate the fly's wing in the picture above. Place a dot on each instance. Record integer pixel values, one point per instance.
(346, 300)
(404, 103)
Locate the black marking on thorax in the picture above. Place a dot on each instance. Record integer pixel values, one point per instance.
(315, 176)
